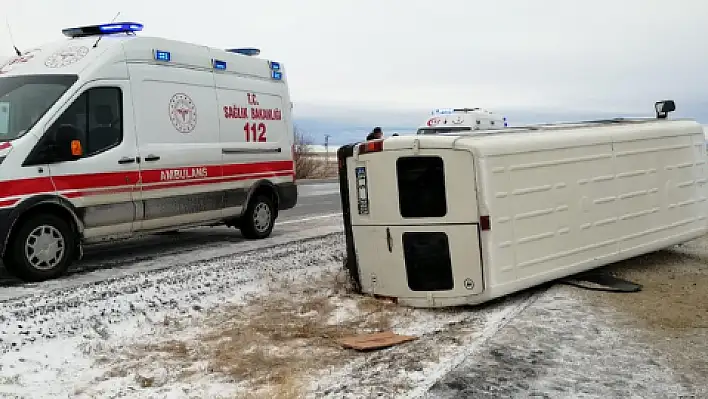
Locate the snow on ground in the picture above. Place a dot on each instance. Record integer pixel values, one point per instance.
(161, 332)
(117, 259)
(44, 337)
(576, 343)
(560, 347)
(264, 322)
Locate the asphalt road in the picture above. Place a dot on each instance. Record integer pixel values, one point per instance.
(316, 200)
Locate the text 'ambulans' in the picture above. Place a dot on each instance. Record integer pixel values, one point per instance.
(183, 174)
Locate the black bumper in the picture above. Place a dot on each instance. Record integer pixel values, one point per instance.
(6, 220)
(350, 263)
(287, 196)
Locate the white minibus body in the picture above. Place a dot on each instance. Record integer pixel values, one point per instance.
(446, 220)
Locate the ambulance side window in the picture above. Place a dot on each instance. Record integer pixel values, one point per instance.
(421, 187)
(97, 115)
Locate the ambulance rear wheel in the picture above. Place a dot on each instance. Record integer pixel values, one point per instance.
(259, 219)
(41, 249)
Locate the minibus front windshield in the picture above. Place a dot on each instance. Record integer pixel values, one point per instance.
(26, 98)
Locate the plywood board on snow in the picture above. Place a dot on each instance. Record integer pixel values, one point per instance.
(380, 340)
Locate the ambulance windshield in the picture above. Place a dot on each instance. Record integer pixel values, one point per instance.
(441, 129)
(24, 99)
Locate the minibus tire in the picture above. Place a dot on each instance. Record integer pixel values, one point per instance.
(248, 220)
(16, 261)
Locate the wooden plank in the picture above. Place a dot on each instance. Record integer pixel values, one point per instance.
(373, 341)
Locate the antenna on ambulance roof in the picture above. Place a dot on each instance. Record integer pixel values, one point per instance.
(12, 40)
(99, 38)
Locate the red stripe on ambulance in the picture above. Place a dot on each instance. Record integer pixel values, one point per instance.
(117, 182)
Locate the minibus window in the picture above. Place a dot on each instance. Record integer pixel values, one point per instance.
(421, 187)
(428, 261)
(25, 99)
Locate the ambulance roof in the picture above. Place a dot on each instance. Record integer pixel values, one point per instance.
(82, 52)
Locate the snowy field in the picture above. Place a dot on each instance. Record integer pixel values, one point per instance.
(261, 319)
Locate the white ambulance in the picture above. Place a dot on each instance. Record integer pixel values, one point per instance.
(445, 220)
(458, 120)
(106, 134)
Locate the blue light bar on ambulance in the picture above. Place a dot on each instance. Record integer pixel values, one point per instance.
(220, 65)
(162, 55)
(250, 51)
(104, 29)
(274, 65)
(277, 75)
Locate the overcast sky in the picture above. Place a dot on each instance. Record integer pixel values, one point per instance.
(418, 54)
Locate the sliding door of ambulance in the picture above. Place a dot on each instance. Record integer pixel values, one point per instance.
(178, 140)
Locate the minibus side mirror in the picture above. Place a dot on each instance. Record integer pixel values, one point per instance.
(663, 108)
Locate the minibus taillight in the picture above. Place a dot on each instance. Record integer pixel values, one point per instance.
(371, 146)
(484, 223)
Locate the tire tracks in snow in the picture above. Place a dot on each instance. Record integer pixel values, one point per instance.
(502, 319)
(76, 311)
(401, 371)
(114, 269)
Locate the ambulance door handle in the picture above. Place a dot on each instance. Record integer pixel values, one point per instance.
(389, 240)
(125, 160)
(151, 158)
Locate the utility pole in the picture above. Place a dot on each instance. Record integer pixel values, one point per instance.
(327, 136)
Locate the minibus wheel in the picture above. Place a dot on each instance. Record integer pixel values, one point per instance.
(42, 248)
(258, 220)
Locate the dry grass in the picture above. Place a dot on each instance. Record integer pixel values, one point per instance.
(270, 342)
(674, 294)
(313, 166)
(310, 165)
(670, 313)
(290, 388)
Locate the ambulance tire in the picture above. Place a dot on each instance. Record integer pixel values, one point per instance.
(54, 231)
(259, 219)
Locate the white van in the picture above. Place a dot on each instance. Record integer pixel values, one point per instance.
(449, 220)
(107, 134)
(459, 120)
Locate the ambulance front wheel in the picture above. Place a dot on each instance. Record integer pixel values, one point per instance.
(41, 249)
(259, 218)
